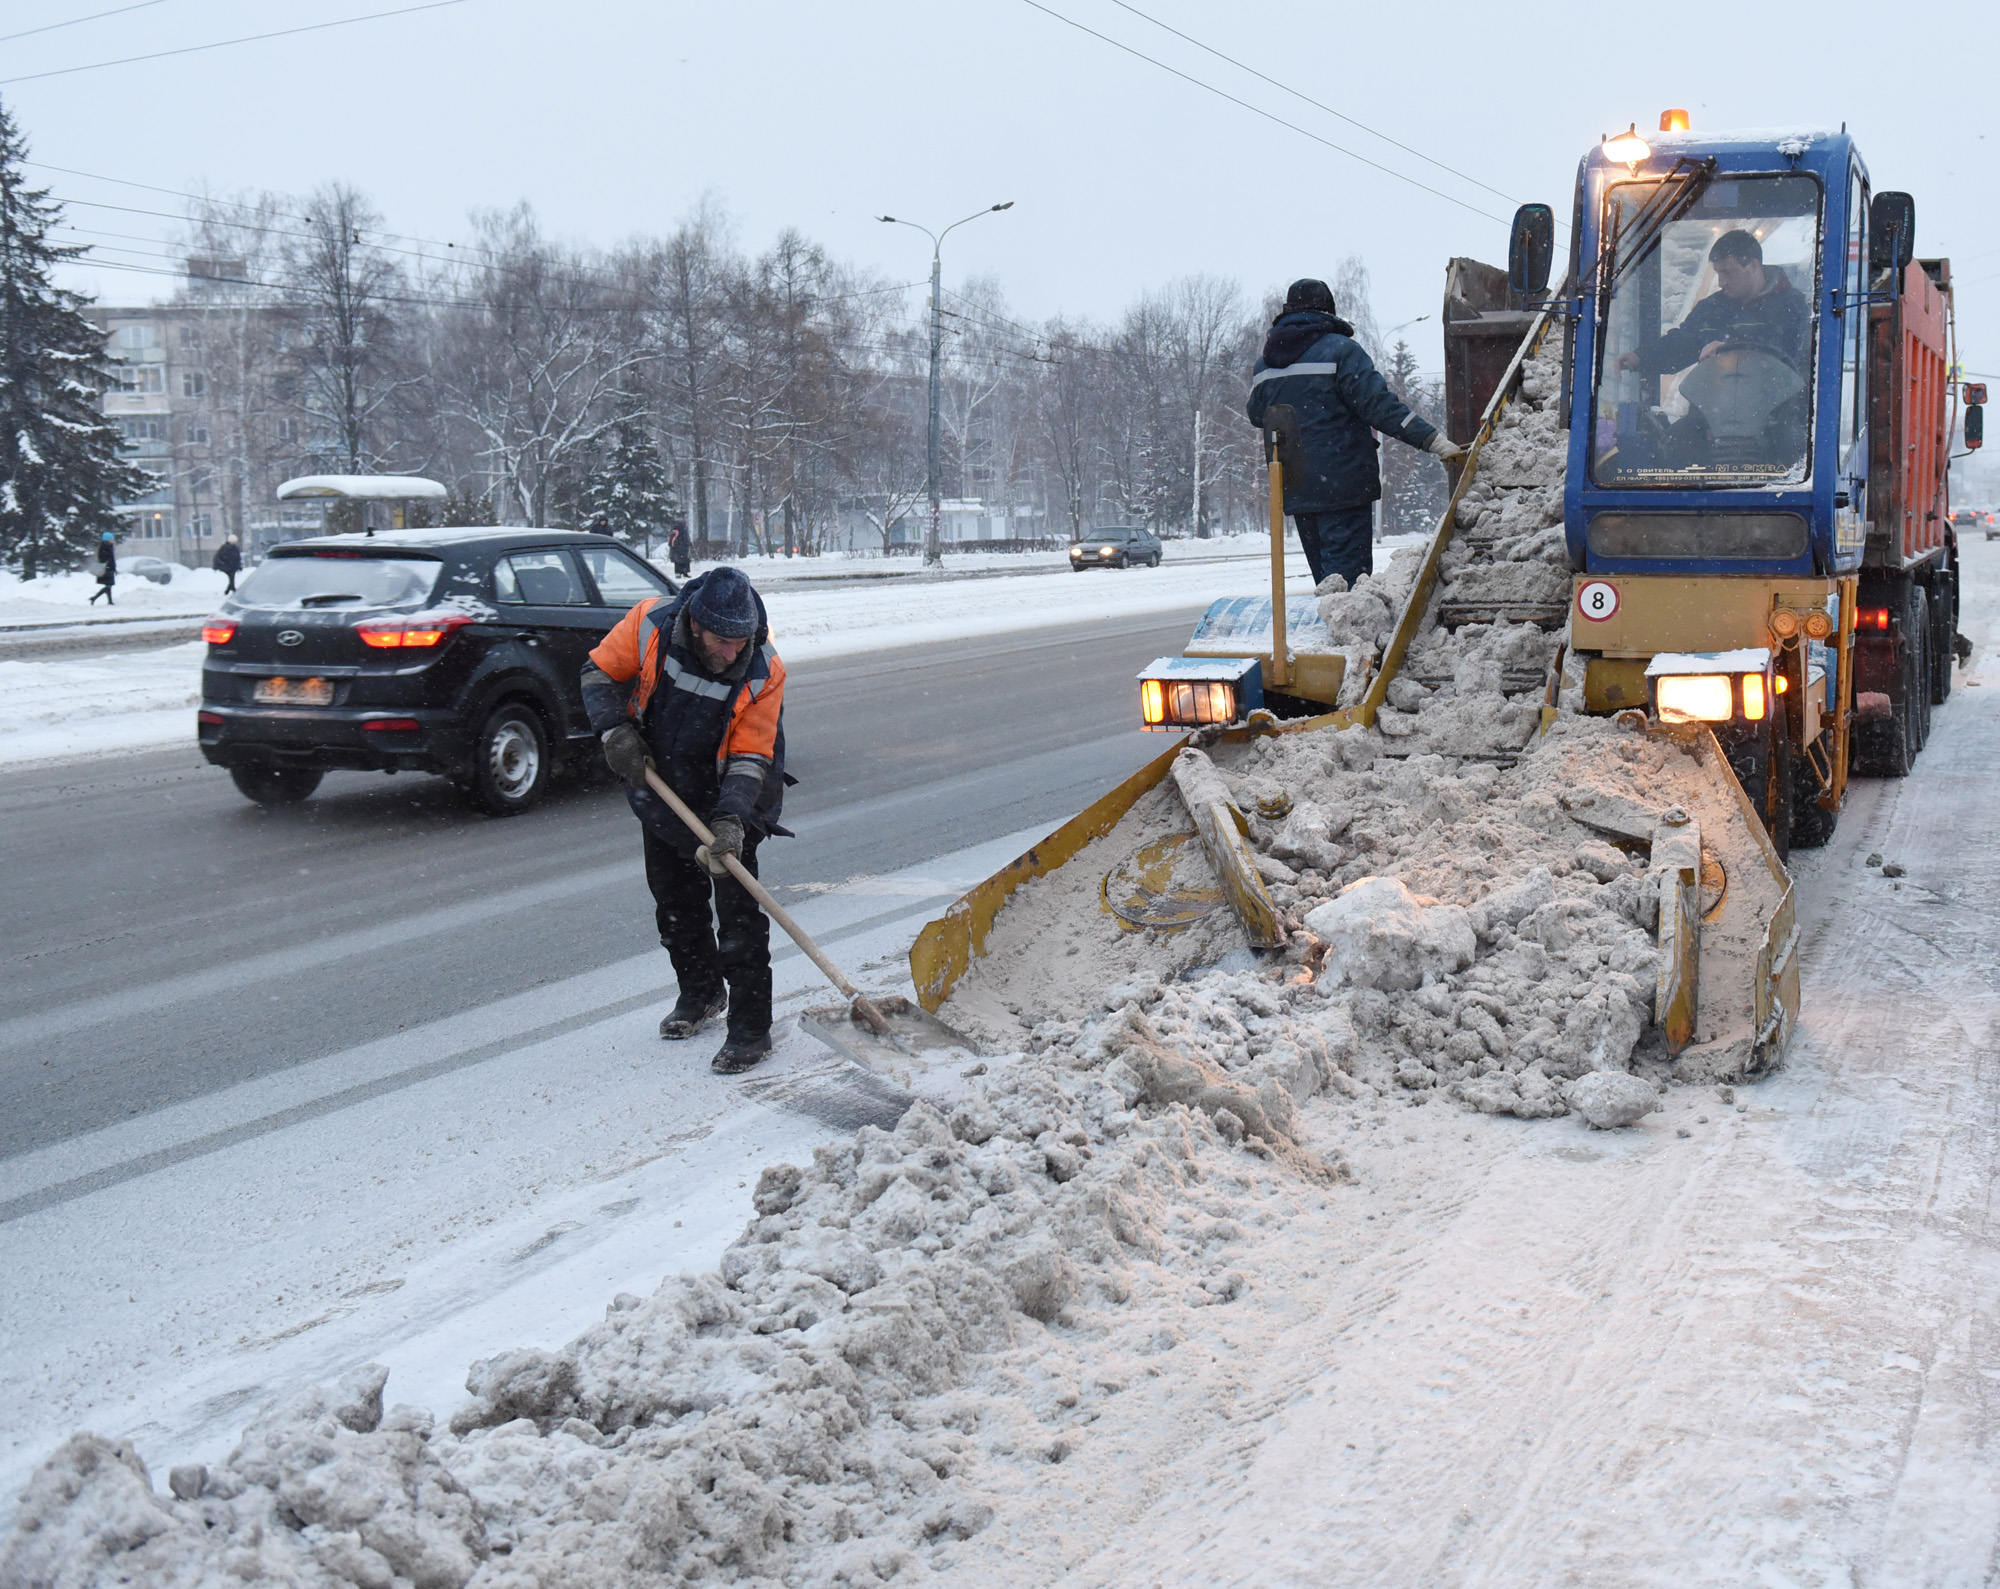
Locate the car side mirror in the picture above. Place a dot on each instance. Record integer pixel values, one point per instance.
(1532, 250)
(1281, 437)
(1892, 232)
(1975, 427)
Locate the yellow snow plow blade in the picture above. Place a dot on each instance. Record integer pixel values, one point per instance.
(946, 948)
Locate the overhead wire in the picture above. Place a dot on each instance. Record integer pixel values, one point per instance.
(95, 16)
(1259, 110)
(222, 44)
(1286, 88)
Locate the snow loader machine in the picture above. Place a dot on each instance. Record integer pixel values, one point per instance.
(1761, 560)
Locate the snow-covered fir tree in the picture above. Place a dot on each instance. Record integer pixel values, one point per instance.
(62, 476)
(629, 496)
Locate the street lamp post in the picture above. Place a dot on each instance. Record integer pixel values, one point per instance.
(933, 551)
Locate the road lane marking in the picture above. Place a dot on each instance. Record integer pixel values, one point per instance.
(119, 1170)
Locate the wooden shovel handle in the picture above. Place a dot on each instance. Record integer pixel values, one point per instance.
(757, 891)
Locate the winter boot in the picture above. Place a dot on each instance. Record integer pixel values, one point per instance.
(739, 1052)
(691, 1013)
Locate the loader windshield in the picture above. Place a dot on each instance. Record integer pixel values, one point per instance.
(1704, 373)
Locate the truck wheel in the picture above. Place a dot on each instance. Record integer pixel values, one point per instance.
(1778, 805)
(1812, 825)
(276, 786)
(1944, 629)
(1761, 759)
(510, 761)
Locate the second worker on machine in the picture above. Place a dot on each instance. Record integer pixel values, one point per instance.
(1312, 362)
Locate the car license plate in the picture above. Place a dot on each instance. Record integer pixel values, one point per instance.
(295, 692)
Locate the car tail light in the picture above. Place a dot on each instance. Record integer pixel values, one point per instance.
(218, 631)
(417, 635)
(208, 717)
(1872, 618)
(392, 725)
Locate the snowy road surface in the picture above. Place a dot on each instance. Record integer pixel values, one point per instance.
(1514, 1352)
(174, 938)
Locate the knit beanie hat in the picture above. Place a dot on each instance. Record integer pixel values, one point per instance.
(1308, 293)
(724, 604)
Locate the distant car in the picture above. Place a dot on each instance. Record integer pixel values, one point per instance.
(157, 569)
(451, 651)
(1121, 546)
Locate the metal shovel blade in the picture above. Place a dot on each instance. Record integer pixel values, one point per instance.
(917, 1034)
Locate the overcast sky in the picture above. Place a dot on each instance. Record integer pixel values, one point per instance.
(612, 118)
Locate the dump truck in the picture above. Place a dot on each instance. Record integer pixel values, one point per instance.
(1705, 493)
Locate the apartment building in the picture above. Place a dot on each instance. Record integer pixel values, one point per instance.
(190, 396)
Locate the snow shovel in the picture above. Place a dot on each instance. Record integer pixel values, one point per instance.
(870, 1031)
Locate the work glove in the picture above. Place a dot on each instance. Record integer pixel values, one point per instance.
(1442, 446)
(727, 840)
(625, 754)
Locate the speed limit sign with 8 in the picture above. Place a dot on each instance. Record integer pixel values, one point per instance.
(1597, 601)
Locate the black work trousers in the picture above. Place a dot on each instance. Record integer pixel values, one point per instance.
(1342, 542)
(704, 959)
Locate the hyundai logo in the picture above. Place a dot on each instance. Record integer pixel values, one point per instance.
(291, 637)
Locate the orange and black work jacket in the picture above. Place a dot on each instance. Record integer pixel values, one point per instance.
(717, 739)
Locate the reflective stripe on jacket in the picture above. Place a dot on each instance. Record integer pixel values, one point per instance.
(1311, 362)
(718, 741)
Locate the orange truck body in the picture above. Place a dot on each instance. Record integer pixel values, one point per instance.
(1909, 432)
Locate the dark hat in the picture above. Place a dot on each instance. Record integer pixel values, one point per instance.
(723, 603)
(1308, 293)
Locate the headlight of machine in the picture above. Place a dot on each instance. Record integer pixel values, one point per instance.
(1697, 698)
(1712, 686)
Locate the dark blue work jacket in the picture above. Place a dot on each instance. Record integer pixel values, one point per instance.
(1312, 362)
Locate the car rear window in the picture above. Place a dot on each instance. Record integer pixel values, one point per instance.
(540, 579)
(340, 581)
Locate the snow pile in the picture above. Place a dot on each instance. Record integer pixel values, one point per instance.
(920, 1320)
(1454, 928)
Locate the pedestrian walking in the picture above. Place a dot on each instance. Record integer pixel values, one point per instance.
(690, 686)
(107, 570)
(1312, 362)
(679, 548)
(228, 560)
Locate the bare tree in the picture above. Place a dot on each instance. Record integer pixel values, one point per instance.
(542, 356)
(687, 287)
(345, 299)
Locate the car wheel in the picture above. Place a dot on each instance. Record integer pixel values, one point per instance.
(510, 761)
(276, 786)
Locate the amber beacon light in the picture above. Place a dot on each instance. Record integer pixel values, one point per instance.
(1673, 121)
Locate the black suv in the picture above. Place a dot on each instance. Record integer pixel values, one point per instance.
(1122, 546)
(444, 651)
